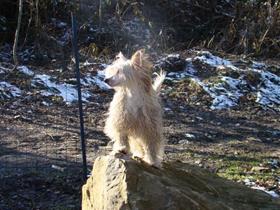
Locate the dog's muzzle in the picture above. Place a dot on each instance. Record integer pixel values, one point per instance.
(107, 81)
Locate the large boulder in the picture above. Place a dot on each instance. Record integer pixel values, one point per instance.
(120, 183)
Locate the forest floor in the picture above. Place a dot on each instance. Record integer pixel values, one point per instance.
(40, 152)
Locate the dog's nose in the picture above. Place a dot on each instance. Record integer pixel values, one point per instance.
(106, 81)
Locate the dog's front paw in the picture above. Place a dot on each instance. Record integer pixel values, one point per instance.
(157, 165)
(154, 163)
(137, 159)
(119, 150)
(115, 152)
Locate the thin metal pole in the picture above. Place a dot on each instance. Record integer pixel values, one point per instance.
(81, 115)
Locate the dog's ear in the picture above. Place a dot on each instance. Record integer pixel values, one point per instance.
(143, 66)
(137, 58)
(120, 56)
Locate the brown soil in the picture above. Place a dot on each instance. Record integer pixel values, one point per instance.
(40, 153)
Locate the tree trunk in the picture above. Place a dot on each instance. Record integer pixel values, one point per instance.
(17, 34)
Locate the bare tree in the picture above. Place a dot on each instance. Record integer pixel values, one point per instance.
(17, 34)
(100, 13)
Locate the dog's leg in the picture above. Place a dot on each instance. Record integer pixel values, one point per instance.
(120, 144)
(151, 154)
(136, 148)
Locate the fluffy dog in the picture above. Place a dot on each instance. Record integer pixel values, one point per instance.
(134, 120)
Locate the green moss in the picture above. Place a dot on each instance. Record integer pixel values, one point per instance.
(213, 80)
(240, 170)
(236, 166)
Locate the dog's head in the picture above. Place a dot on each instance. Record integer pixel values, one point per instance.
(125, 72)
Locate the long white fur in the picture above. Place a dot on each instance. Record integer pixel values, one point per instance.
(158, 81)
(134, 121)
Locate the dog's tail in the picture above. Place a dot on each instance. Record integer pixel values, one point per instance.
(159, 80)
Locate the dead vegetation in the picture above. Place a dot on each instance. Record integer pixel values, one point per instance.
(255, 29)
(245, 27)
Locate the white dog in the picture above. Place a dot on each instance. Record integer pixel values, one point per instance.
(134, 120)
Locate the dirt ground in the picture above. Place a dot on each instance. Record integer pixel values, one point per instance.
(40, 155)
(235, 144)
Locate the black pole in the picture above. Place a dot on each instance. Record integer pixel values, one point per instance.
(81, 115)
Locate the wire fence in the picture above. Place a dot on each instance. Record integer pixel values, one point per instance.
(40, 147)
(42, 161)
(41, 128)
(39, 135)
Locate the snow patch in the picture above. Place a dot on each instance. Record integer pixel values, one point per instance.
(190, 69)
(167, 109)
(177, 75)
(270, 192)
(226, 91)
(86, 63)
(258, 65)
(67, 91)
(49, 87)
(253, 185)
(46, 103)
(189, 135)
(25, 70)
(214, 61)
(103, 65)
(3, 70)
(61, 24)
(269, 91)
(95, 80)
(8, 90)
(225, 94)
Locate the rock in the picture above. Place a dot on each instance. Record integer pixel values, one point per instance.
(184, 141)
(171, 63)
(124, 184)
(260, 169)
